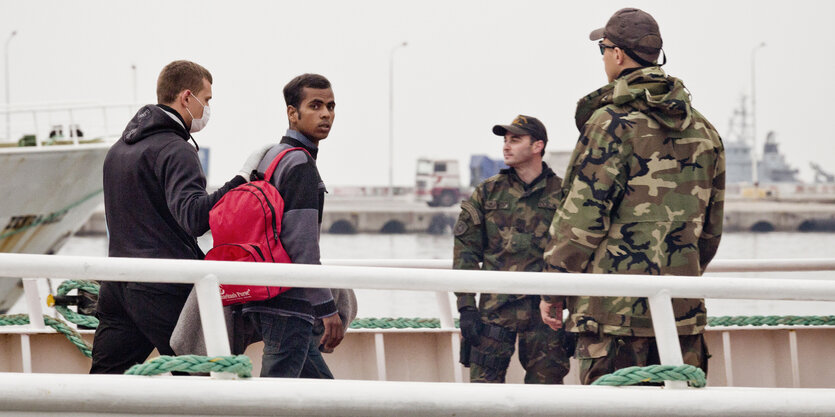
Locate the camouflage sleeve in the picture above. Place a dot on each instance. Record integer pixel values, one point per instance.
(712, 229)
(594, 185)
(468, 250)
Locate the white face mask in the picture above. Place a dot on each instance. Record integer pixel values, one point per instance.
(198, 124)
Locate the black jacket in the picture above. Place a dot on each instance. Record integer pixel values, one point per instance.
(155, 196)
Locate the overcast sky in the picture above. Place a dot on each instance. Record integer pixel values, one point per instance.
(468, 65)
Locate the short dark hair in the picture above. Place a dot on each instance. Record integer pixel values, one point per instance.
(293, 90)
(178, 76)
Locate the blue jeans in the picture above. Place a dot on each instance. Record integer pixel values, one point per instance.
(315, 366)
(286, 343)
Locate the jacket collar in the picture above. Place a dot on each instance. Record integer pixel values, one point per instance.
(297, 143)
(537, 183)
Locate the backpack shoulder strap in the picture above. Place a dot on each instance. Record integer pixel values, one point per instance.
(269, 174)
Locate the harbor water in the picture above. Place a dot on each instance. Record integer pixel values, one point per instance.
(379, 303)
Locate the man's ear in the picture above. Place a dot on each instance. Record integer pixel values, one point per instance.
(620, 56)
(538, 146)
(179, 100)
(292, 115)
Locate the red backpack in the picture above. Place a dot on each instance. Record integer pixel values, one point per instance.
(246, 224)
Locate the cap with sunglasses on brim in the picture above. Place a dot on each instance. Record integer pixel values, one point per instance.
(523, 125)
(634, 31)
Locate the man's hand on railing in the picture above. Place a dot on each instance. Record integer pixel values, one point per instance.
(333, 333)
(551, 313)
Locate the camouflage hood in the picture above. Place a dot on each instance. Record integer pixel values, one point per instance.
(648, 90)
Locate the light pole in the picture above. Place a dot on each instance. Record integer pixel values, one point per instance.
(755, 173)
(135, 96)
(391, 115)
(8, 122)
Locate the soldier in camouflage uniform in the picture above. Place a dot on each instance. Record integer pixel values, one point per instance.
(504, 226)
(644, 194)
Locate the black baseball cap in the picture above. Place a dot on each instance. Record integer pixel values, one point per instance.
(523, 125)
(633, 30)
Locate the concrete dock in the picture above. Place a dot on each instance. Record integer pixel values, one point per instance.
(401, 214)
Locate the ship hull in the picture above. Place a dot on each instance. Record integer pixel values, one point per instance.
(47, 194)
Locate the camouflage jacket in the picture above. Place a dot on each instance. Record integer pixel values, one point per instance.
(504, 225)
(644, 194)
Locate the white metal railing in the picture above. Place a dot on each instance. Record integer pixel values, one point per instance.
(73, 112)
(718, 265)
(658, 289)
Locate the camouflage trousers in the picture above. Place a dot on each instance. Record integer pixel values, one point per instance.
(541, 351)
(601, 355)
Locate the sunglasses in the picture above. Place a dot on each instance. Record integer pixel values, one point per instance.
(604, 47)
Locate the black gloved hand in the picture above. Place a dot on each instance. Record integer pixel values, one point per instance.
(470, 324)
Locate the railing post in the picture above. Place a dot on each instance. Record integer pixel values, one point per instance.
(794, 358)
(448, 322)
(457, 368)
(444, 309)
(726, 346)
(70, 129)
(666, 333)
(33, 303)
(214, 324)
(35, 119)
(380, 351)
(33, 307)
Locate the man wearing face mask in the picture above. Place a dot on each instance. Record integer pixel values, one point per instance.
(156, 205)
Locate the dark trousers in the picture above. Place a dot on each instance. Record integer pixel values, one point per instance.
(291, 349)
(132, 322)
(618, 352)
(286, 344)
(315, 366)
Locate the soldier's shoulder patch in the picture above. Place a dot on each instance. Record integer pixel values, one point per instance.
(471, 210)
(460, 228)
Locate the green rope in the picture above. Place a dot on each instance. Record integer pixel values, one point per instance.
(771, 321)
(72, 316)
(433, 323)
(51, 217)
(654, 373)
(70, 285)
(57, 324)
(240, 365)
(397, 323)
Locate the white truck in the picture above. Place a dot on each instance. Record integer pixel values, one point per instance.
(438, 182)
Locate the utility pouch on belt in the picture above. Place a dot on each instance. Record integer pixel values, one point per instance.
(494, 359)
(464, 356)
(490, 362)
(497, 333)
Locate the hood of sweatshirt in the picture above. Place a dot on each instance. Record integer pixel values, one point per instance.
(649, 90)
(150, 120)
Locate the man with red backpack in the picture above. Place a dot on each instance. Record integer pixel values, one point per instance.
(286, 322)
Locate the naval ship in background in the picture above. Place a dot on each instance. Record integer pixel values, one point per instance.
(51, 176)
(776, 178)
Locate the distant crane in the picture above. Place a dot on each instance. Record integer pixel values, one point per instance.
(821, 176)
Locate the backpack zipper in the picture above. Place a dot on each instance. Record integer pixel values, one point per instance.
(272, 209)
(257, 249)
